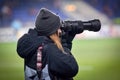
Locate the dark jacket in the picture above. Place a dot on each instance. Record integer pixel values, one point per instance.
(63, 66)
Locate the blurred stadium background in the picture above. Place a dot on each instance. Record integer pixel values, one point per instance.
(97, 53)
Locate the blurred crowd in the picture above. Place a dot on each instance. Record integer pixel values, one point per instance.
(26, 10)
(17, 15)
(109, 7)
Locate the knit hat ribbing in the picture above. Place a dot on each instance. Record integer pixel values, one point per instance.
(47, 22)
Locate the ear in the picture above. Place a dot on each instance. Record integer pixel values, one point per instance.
(59, 32)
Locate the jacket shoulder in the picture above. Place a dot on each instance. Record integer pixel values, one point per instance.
(28, 44)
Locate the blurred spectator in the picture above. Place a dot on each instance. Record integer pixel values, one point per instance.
(108, 11)
(6, 15)
(16, 25)
(1, 21)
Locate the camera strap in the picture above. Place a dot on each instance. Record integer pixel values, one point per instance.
(39, 61)
(42, 73)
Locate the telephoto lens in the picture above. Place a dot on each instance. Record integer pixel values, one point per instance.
(80, 26)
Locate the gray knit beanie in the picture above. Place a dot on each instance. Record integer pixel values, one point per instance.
(47, 22)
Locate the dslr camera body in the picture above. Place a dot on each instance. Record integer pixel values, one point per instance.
(71, 28)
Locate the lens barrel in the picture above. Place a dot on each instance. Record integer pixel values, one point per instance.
(93, 25)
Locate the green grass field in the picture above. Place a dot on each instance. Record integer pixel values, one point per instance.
(98, 59)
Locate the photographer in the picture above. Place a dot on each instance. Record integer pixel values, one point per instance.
(46, 51)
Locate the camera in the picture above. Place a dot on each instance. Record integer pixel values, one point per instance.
(79, 26)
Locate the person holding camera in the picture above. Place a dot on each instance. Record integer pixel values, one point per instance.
(46, 51)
